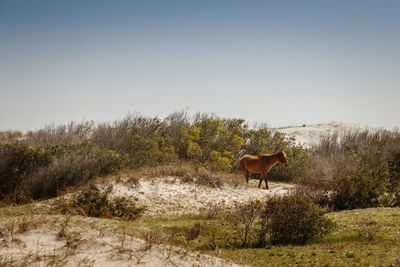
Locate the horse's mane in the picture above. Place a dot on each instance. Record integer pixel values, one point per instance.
(276, 153)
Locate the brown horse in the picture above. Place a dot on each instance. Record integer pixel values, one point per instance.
(261, 164)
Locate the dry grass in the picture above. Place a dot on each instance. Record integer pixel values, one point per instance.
(186, 173)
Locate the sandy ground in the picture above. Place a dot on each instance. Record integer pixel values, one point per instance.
(51, 241)
(44, 240)
(168, 196)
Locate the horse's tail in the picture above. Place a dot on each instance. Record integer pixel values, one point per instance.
(242, 164)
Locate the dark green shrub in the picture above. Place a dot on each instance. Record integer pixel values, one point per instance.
(18, 160)
(125, 208)
(292, 219)
(97, 204)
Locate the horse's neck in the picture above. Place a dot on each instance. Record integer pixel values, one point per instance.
(272, 160)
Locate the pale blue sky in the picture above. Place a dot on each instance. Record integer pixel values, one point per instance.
(280, 62)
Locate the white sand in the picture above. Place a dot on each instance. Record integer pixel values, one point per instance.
(168, 195)
(311, 134)
(84, 246)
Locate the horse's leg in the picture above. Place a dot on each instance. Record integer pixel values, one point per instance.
(266, 181)
(261, 179)
(248, 174)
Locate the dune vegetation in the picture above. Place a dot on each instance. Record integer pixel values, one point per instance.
(343, 208)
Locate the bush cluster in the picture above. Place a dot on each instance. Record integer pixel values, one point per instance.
(289, 219)
(32, 172)
(205, 140)
(48, 160)
(293, 219)
(18, 161)
(94, 203)
(357, 171)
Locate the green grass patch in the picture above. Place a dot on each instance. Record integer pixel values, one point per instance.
(343, 247)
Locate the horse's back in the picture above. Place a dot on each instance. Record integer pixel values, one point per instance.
(252, 163)
(250, 157)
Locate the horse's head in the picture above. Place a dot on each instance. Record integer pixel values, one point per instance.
(282, 158)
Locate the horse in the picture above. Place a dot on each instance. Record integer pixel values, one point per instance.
(261, 164)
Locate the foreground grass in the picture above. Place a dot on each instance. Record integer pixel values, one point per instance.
(363, 237)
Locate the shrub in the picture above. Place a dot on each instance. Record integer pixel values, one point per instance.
(292, 219)
(76, 167)
(297, 165)
(205, 177)
(144, 141)
(359, 181)
(368, 229)
(18, 160)
(242, 220)
(394, 174)
(212, 142)
(72, 133)
(358, 170)
(193, 232)
(31, 172)
(97, 204)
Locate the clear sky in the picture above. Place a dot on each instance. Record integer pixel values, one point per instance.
(280, 62)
